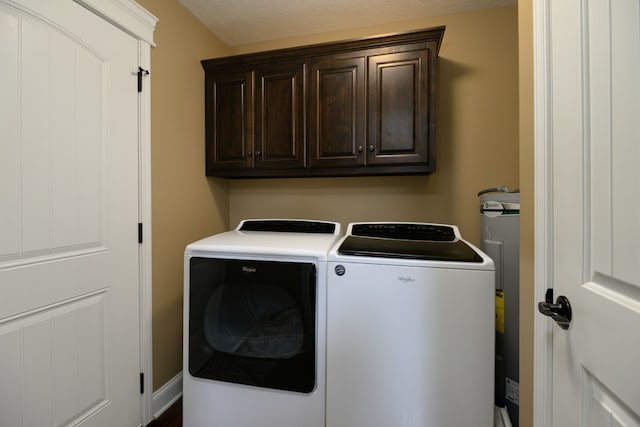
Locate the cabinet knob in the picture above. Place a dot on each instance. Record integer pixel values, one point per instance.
(359, 148)
(258, 153)
(371, 148)
(249, 153)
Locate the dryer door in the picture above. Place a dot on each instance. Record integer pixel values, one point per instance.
(253, 322)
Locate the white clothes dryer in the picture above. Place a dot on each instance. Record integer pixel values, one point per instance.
(255, 325)
(410, 332)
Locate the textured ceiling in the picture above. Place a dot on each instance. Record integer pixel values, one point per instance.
(238, 22)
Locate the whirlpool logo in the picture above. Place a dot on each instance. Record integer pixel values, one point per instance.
(406, 279)
(248, 270)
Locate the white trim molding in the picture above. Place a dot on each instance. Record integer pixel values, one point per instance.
(167, 395)
(126, 15)
(144, 212)
(543, 180)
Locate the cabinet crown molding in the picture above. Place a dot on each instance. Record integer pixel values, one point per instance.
(424, 36)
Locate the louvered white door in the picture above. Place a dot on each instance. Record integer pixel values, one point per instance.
(69, 294)
(594, 165)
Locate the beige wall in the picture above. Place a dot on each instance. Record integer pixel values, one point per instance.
(527, 301)
(185, 205)
(477, 148)
(477, 137)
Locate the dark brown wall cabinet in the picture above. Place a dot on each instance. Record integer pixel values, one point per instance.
(359, 107)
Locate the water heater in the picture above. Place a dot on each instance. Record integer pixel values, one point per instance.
(500, 239)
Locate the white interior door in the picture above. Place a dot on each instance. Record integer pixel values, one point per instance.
(593, 106)
(69, 294)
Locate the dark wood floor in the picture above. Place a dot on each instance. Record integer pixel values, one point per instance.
(172, 417)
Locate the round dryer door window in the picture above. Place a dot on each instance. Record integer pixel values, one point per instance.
(253, 322)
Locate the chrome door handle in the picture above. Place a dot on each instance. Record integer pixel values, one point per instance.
(560, 312)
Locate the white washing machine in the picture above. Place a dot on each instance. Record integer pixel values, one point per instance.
(255, 325)
(410, 328)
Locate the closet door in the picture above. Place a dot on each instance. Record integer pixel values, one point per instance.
(69, 291)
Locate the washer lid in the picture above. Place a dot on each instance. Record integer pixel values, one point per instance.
(408, 241)
(409, 249)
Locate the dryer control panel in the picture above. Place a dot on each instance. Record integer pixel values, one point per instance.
(406, 231)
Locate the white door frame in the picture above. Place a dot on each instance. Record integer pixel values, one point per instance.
(144, 183)
(543, 183)
(139, 23)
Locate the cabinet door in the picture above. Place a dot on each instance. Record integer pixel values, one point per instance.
(229, 121)
(279, 116)
(400, 125)
(336, 112)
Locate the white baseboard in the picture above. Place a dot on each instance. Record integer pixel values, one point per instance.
(167, 395)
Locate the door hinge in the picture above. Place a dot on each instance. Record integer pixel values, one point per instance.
(141, 383)
(141, 72)
(139, 232)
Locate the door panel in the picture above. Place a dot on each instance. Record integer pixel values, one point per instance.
(595, 102)
(69, 312)
(60, 350)
(53, 164)
(604, 408)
